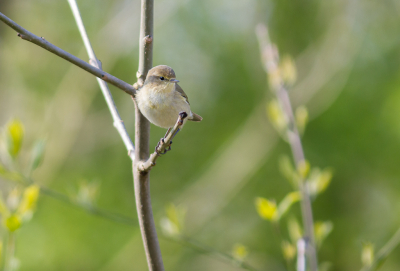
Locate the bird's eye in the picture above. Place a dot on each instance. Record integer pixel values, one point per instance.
(162, 78)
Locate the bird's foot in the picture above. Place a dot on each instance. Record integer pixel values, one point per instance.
(182, 116)
(160, 143)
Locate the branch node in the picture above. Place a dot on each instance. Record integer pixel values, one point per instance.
(136, 86)
(148, 39)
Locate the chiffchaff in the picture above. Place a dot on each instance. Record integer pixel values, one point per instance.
(161, 99)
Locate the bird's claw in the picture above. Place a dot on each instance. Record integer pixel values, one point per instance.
(162, 142)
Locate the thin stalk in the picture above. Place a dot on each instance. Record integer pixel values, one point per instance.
(10, 251)
(384, 252)
(118, 123)
(270, 58)
(142, 137)
(40, 41)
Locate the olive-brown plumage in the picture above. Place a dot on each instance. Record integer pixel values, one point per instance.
(161, 99)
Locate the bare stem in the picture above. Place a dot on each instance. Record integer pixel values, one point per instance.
(162, 147)
(142, 137)
(270, 57)
(301, 255)
(40, 41)
(384, 252)
(10, 252)
(118, 123)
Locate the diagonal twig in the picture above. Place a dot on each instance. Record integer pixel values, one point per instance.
(40, 41)
(163, 146)
(118, 123)
(270, 58)
(384, 252)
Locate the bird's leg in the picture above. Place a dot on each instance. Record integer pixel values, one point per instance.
(162, 142)
(182, 116)
(169, 129)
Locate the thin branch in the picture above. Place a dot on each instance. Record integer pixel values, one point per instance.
(270, 57)
(130, 221)
(384, 252)
(89, 208)
(163, 146)
(142, 138)
(40, 41)
(301, 255)
(118, 123)
(204, 249)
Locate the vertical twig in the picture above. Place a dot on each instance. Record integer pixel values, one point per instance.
(301, 255)
(10, 251)
(270, 57)
(118, 123)
(142, 136)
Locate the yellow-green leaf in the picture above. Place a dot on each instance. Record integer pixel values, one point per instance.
(37, 154)
(301, 116)
(288, 70)
(367, 254)
(322, 230)
(276, 116)
(319, 181)
(29, 199)
(173, 223)
(287, 202)
(288, 250)
(295, 231)
(266, 209)
(13, 222)
(3, 207)
(240, 252)
(87, 192)
(14, 135)
(287, 170)
(303, 168)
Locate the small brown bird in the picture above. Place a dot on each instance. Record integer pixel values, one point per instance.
(161, 99)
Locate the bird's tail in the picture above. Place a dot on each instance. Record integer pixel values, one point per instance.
(196, 117)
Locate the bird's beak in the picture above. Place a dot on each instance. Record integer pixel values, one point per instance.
(173, 80)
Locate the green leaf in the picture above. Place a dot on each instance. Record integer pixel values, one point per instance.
(319, 181)
(277, 116)
(266, 209)
(322, 230)
(240, 252)
(173, 223)
(12, 223)
(301, 116)
(287, 202)
(303, 168)
(367, 254)
(288, 70)
(287, 170)
(288, 250)
(295, 231)
(37, 154)
(14, 135)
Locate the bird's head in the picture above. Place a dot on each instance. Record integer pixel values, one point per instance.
(161, 77)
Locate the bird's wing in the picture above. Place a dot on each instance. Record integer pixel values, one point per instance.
(183, 94)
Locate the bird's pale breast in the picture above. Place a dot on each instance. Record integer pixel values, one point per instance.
(162, 106)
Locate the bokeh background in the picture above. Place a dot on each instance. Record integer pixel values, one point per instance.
(347, 56)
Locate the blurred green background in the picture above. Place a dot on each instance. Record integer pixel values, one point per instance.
(347, 56)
